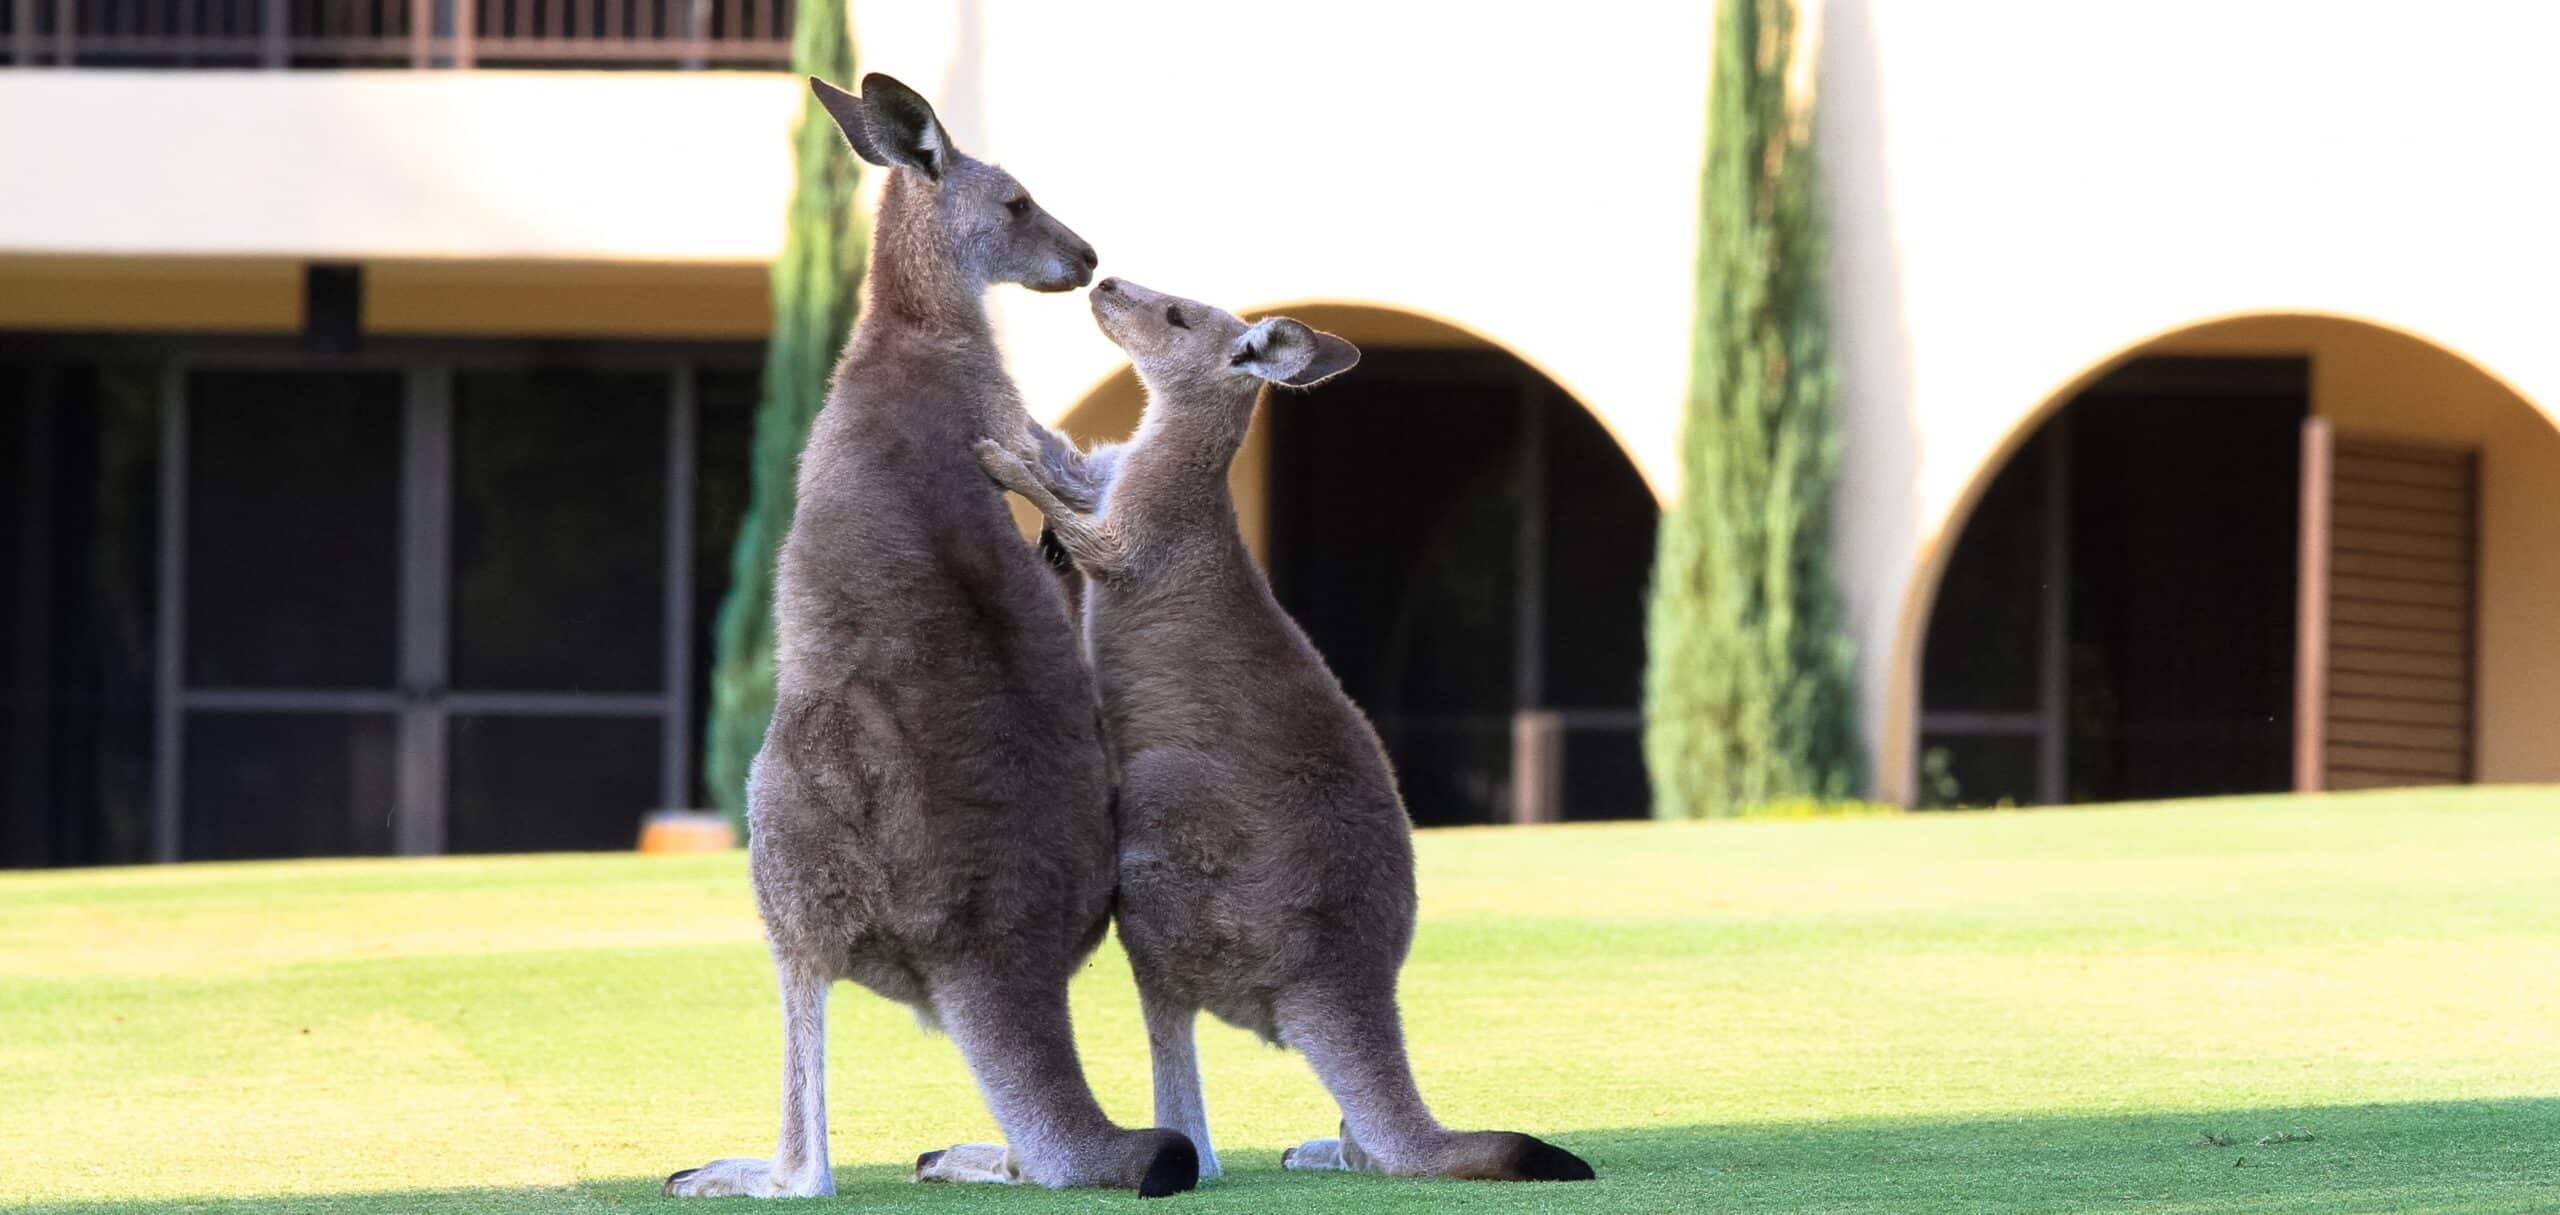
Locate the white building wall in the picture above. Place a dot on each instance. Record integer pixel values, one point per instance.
(2020, 190)
(2023, 190)
(607, 166)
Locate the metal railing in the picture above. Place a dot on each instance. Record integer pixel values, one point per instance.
(396, 33)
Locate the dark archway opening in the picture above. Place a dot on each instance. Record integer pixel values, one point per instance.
(1469, 549)
(2117, 621)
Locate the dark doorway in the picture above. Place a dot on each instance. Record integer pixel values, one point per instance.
(2117, 622)
(1468, 547)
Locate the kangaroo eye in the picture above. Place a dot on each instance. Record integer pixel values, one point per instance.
(1173, 316)
(1020, 206)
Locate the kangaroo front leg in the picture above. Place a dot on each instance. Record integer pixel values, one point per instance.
(1180, 1104)
(1071, 474)
(1096, 545)
(799, 1166)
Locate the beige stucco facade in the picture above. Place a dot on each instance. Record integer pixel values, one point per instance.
(2020, 194)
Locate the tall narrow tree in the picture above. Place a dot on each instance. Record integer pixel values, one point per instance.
(813, 304)
(1749, 673)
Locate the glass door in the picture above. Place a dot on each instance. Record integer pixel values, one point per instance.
(567, 660)
(284, 711)
(423, 607)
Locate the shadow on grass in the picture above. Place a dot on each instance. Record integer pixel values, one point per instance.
(2487, 1156)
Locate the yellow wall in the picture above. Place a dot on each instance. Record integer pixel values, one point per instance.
(579, 299)
(410, 299)
(2374, 381)
(150, 295)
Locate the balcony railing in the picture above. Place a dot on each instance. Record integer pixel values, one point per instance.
(397, 33)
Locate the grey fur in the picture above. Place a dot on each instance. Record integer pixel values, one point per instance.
(1266, 862)
(931, 803)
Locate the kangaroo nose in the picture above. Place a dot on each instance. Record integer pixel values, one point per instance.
(1091, 258)
(1108, 285)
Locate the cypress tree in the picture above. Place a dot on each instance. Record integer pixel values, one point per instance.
(1749, 680)
(813, 306)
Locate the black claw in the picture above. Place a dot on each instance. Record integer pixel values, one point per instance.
(1176, 1168)
(1544, 1161)
(675, 1179)
(927, 1160)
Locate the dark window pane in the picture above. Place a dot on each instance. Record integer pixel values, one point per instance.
(1973, 770)
(1984, 629)
(293, 513)
(1600, 521)
(1452, 772)
(543, 784)
(288, 784)
(559, 544)
(2185, 500)
(17, 407)
(725, 418)
(1395, 515)
(79, 445)
(1604, 774)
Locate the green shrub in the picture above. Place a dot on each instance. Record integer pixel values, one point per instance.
(1749, 680)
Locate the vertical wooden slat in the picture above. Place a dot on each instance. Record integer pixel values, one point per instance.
(2311, 613)
(22, 38)
(1537, 766)
(2471, 625)
(2053, 651)
(465, 16)
(169, 645)
(63, 22)
(426, 562)
(675, 745)
(422, 15)
(275, 22)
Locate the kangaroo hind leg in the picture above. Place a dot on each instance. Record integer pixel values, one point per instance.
(1354, 1039)
(1180, 1104)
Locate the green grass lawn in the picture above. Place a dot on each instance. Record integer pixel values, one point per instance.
(1990, 1012)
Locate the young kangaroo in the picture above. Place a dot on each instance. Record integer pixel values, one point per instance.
(1266, 862)
(930, 805)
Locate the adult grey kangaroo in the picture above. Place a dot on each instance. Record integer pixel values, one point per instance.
(930, 805)
(1266, 861)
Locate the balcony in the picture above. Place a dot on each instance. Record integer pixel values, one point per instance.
(689, 34)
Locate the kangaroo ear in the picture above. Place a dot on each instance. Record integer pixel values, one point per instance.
(846, 109)
(899, 129)
(1284, 351)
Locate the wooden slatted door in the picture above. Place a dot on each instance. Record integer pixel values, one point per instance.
(2390, 563)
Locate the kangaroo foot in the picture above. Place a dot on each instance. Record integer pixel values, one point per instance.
(746, 1177)
(970, 1162)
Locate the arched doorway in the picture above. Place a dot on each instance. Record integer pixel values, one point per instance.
(1468, 546)
(2268, 553)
